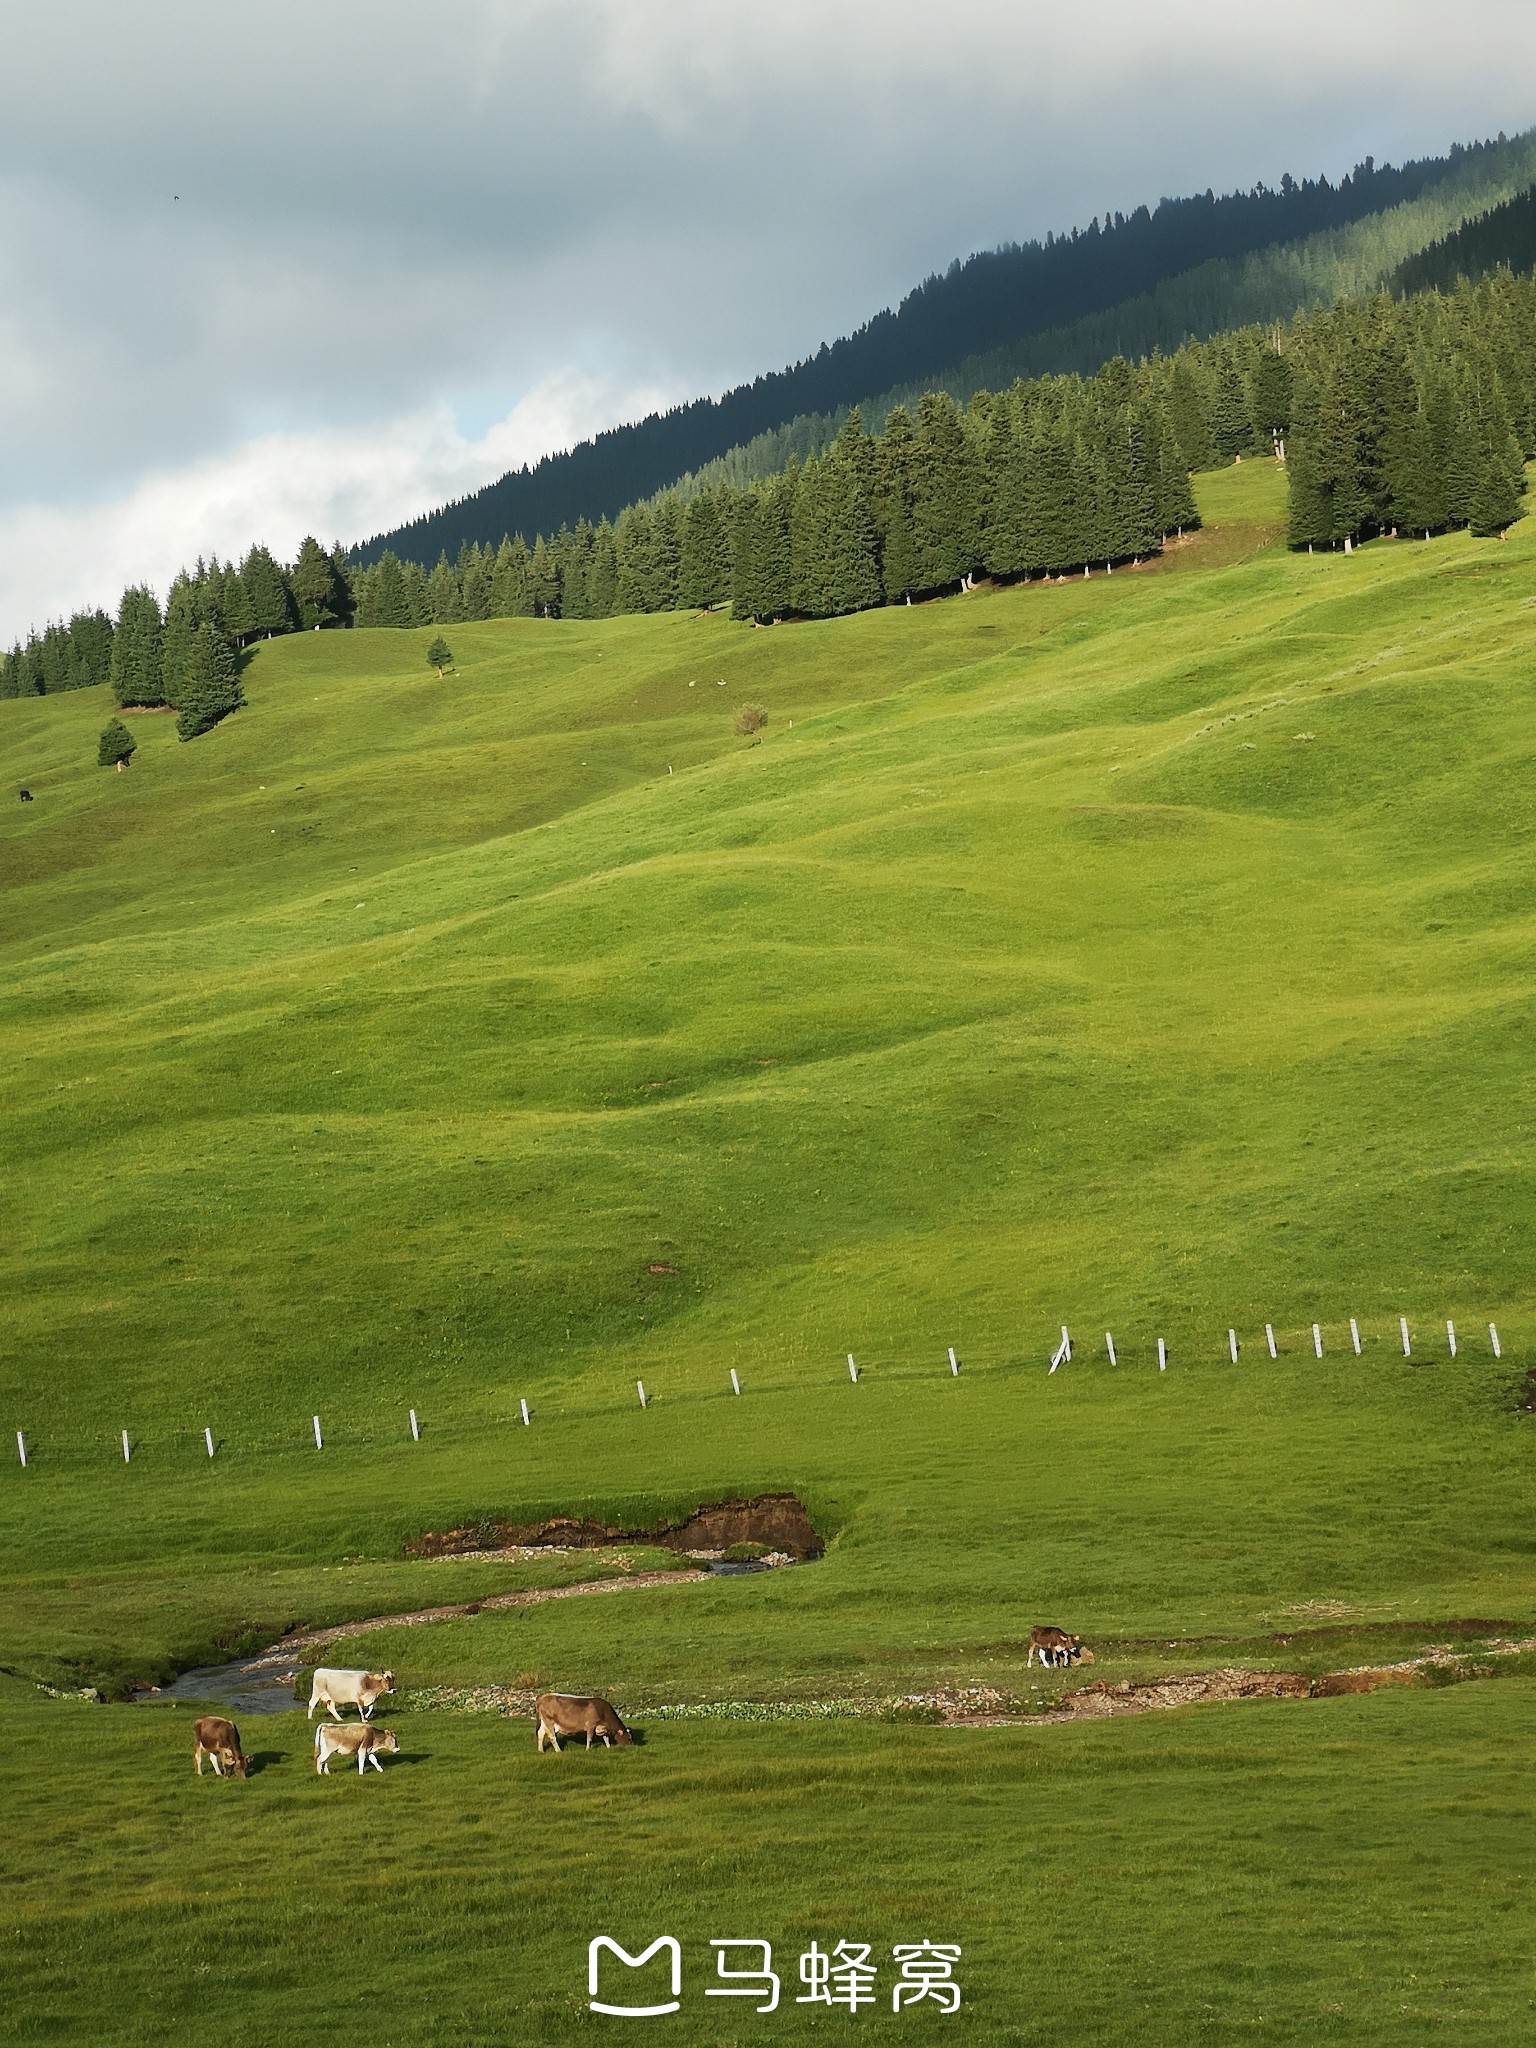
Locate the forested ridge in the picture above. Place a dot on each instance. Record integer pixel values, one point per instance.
(1190, 267)
(1402, 417)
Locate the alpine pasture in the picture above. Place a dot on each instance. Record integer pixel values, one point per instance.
(1150, 954)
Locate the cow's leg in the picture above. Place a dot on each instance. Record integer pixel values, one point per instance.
(335, 1714)
(1030, 1658)
(362, 1761)
(213, 1759)
(364, 1709)
(197, 1758)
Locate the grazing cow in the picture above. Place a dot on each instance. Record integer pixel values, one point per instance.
(25, 795)
(219, 1741)
(360, 1689)
(1056, 1647)
(360, 1741)
(568, 1713)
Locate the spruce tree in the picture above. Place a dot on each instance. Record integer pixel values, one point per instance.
(509, 581)
(135, 668)
(315, 587)
(1186, 415)
(440, 656)
(117, 745)
(1270, 395)
(444, 594)
(271, 601)
(210, 682)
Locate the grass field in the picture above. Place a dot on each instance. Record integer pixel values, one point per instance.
(1150, 954)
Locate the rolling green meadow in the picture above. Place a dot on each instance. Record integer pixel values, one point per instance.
(1152, 954)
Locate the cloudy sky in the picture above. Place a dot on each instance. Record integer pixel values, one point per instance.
(316, 264)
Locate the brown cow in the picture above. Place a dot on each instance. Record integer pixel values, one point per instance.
(1056, 1647)
(569, 1713)
(355, 1738)
(219, 1741)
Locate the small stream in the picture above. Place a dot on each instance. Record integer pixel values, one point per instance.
(263, 1684)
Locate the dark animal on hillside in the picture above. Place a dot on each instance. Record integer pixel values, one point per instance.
(1056, 1647)
(219, 1741)
(25, 795)
(567, 1713)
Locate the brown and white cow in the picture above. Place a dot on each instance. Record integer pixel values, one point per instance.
(570, 1713)
(1055, 1646)
(360, 1689)
(359, 1740)
(219, 1741)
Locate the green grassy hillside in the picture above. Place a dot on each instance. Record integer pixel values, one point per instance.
(1150, 954)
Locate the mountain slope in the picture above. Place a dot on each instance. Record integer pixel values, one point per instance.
(994, 301)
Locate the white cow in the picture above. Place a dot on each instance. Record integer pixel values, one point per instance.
(360, 1689)
(363, 1743)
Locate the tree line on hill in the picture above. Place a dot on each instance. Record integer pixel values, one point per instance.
(993, 301)
(1409, 416)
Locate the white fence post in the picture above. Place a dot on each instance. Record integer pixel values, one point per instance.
(1354, 1335)
(208, 1440)
(853, 1370)
(954, 1363)
(126, 1452)
(1450, 1335)
(1402, 1324)
(640, 1390)
(1317, 1339)
(21, 1445)
(415, 1428)
(319, 1440)
(1232, 1345)
(1269, 1339)
(1162, 1356)
(1493, 1339)
(527, 1420)
(1063, 1352)
(1109, 1346)
(735, 1383)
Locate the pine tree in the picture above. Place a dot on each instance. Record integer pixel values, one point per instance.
(509, 581)
(271, 601)
(603, 580)
(210, 683)
(1270, 395)
(703, 576)
(440, 656)
(117, 745)
(444, 594)
(315, 587)
(944, 497)
(136, 650)
(1186, 415)
(745, 577)
(544, 580)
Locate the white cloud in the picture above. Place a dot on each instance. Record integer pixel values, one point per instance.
(279, 487)
(231, 242)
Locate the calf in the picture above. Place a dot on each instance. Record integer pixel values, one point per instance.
(360, 1689)
(360, 1741)
(219, 1741)
(568, 1713)
(1056, 1647)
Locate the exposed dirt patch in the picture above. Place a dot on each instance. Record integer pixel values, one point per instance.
(777, 1521)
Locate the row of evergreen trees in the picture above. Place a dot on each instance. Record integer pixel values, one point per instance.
(1408, 416)
(1414, 415)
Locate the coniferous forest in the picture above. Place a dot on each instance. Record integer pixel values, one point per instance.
(1403, 417)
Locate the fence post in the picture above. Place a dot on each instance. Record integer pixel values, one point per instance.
(853, 1370)
(1354, 1335)
(1109, 1346)
(1493, 1339)
(208, 1440)
(1317, 1339)
(1232, 1345)
(735, 1383)
(640, 1390)
(126, 1452)
(1402, 1324)
(1450, 1335)
(1162, 1356)
(1269, 1339)
(415, 1428)
(319, 1440)
(523, 1406)
(954, 1363)
(21, 1445)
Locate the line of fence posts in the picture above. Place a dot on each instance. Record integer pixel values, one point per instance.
(1060, 1356)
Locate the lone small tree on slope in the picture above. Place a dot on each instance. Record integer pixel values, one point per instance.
(117, 746)
(440, 655)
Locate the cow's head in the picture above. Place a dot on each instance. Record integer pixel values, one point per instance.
(387, 1740)
(622, 1734)
(386, 1681)
(233, 1763)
